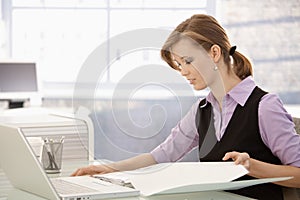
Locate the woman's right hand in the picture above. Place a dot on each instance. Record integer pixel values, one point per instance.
(139, 161)
(93, 169)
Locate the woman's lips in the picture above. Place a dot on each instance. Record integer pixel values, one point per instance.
(192, 81)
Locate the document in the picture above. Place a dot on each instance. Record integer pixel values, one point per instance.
(182, 177)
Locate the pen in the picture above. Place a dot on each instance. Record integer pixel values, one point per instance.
(62, 139)
(52, 163)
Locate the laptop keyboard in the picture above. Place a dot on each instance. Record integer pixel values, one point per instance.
(64, 187)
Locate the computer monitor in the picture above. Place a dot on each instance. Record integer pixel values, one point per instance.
(18, 82)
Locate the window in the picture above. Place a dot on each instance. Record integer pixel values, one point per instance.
(270, 41)
(60, 34)
(58, 39)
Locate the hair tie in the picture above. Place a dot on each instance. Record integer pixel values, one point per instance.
(232, 50)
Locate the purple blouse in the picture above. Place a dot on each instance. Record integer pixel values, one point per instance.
(275, 124)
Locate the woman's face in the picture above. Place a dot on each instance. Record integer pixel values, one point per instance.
(194, 63)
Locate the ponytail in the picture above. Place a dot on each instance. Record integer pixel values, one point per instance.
(241, 65)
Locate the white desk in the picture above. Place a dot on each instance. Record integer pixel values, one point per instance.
(7, 192)
(20, 195)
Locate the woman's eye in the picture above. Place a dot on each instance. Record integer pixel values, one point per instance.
(178, 64)
(188, 60)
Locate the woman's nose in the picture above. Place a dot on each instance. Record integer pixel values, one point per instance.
(184, 71)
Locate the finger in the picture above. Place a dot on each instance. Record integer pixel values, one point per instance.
(226, 156)
(239, 160)
(75, 173)
(242, 158)
(231, 155)
(246, 156)
(80, 172)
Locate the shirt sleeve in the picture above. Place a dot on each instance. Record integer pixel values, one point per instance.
(183, 138)
(277, 130)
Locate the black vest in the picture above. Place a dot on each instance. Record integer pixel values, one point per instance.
(242, 135)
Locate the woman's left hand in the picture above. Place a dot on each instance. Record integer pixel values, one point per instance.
(239, 158)
(260, 169)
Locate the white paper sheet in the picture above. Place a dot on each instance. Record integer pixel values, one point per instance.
(182, 177)
(233, 185)
(167, 176)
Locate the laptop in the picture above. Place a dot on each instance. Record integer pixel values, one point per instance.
(25, 172)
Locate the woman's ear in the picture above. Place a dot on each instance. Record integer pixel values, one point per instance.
(215, 53)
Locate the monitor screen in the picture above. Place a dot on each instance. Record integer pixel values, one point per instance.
(18, 77)
(18, 80)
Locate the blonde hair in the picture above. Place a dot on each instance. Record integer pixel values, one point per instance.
(206, 31)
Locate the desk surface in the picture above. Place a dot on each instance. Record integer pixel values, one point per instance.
(7, 192)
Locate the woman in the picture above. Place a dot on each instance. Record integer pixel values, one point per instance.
(237, 120)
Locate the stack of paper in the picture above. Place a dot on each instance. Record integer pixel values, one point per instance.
(181, 177)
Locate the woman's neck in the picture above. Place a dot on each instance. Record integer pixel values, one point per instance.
(222, 85)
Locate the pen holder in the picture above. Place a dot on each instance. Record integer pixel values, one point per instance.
(52, 156)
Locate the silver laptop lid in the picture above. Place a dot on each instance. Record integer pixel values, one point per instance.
(21, 166)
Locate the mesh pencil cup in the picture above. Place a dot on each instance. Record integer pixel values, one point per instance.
(52, 156)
